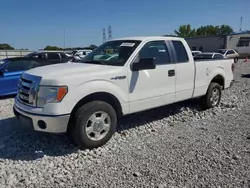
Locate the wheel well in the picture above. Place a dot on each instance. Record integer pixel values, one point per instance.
(219, 80)
(102, 96)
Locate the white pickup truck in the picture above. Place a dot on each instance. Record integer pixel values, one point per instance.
(85, 99)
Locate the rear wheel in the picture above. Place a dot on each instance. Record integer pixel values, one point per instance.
(212, 97)
(94, 124)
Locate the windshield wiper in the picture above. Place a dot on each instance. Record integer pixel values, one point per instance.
(94, 62)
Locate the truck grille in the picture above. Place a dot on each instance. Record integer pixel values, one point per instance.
(24, 89)
(27, 89)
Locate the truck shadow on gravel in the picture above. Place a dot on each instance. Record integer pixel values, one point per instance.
(245, 76)
(142, 118)
(7, 97)
(18, 143)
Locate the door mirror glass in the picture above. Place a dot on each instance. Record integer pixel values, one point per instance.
(143, 64)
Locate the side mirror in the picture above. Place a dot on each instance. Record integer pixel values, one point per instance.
(143, 64)
(2, 71)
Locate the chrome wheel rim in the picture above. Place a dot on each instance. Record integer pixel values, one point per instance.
(215, 97)
(98, 126)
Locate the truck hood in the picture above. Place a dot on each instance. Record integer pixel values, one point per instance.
(66, 72)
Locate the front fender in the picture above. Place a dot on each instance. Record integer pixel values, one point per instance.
(79, 92)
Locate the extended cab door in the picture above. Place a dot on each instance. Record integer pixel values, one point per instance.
(184, 69)
(10, 75)
(155, 87)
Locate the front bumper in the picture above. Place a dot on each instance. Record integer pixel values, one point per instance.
(43, 123)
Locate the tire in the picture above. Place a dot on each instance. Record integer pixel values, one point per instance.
(206, 101)
(88, 117)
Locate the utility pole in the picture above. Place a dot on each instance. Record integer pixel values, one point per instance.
(109, 33)
(241, 23)
(64, 39)
(103, 35)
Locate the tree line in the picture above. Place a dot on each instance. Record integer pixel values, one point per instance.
(5, 46)
(90, 47)
(183, 31)
(207, 30)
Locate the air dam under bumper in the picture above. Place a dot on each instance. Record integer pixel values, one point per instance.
(43, 123)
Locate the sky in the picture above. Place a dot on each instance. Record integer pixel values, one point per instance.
(35, 24)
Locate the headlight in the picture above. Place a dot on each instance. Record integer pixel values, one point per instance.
(50, 94)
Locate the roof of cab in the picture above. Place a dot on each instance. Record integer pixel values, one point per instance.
(144, 38)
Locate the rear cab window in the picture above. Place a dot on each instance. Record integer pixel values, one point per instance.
(180, 51)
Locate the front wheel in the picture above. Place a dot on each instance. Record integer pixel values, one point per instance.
(94, 124)
(212, 97)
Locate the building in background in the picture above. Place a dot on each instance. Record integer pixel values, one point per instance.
(238, 41)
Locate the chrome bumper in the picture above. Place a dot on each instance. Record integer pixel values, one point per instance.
(43, 123)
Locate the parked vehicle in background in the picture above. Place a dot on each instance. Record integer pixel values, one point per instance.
(86, 99)
(195, 53)
(230, 54)
(79, 54)
(208, 55)
(50, 56)
(12, 68)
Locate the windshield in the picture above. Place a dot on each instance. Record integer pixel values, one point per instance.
(114, 53)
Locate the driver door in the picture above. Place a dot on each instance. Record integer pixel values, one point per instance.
(155, 87)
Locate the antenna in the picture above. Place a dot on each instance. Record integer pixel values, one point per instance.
(109, 32)
(103, 35)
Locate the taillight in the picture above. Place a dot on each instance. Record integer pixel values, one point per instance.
(233, 67)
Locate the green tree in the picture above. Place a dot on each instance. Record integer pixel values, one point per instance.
(5, 46)
(185, 31)
(210, 30)
(207, 30)
(52, 48)
(225, 30)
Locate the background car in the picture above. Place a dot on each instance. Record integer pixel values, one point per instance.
(53, 57)
(79, 54)
(194, 53)
(11, 70)
(229, 53)
(208, 55)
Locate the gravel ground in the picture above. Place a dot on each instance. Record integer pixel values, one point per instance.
(173, 146)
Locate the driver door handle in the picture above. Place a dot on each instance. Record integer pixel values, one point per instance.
(171, 73)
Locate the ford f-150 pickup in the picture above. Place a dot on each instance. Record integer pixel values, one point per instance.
(86, 99)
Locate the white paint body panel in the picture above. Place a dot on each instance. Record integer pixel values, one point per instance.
(139, 90)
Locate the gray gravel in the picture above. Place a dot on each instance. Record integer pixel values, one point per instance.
(174, 146)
